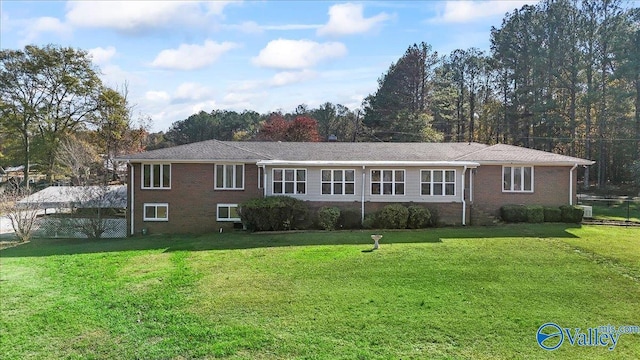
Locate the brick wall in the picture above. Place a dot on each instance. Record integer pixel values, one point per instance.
(551, 187)
(192, 199)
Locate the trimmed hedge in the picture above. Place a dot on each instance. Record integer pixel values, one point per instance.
(538, 214)
(327, 217)
(419, 217)
(350, 219)
(273, 213)
(393, 216)
(552, 214)
(514, 213)
(535, 214)
(369, 221)
(571, 214)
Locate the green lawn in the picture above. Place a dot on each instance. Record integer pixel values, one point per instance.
(449, 293)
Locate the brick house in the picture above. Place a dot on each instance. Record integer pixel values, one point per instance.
(197, 187)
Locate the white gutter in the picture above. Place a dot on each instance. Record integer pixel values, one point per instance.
(571, 183)
(464, 203)
(362, 202)
(132, 203)
(470, 164)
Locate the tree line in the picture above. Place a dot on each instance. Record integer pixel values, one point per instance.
(561, 76)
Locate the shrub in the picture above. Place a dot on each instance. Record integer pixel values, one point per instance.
(513, 213)
(419, 217)
(571, 214)
(552, 214)
(393, 216)
(350, 219)
(369, 221)
(327, 217)
(273, 213)
(535, 214)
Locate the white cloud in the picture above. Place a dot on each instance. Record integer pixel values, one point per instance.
(192, 92)
(347, 19)
(291, 77)
(141, 15)
(191, 56)
(297, 54)
(157, 96)
(467, 11)
(101, 56)
(33, 28)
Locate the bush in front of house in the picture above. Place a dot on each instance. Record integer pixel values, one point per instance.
(419, 217)
(514, 213)
(571, 214)
(552, 214)
(393, 216)
(370, 221)
(327, 217)
(535, 214)
(350, 219)
(273, 213)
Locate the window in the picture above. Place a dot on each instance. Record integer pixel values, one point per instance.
(156, 212)
(387, 182)
(156, 176)
(230, 176)
(517, 178)
(338, 182)
(228, 212)
(289, 181)
(438, 182)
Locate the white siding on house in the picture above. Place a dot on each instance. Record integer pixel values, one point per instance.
(412, 185)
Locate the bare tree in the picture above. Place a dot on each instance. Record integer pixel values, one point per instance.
(21, 213)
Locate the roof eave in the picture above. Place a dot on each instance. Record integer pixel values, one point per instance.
(469, 164)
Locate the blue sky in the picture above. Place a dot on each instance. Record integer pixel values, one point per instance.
(180, 57)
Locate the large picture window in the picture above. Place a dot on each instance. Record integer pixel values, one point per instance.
(156, 212)
(289, 181)
(338, 182)
(438, 182)
(228, 212)
(229, 176)
(387, 182)
(156, 176)
(517, 178)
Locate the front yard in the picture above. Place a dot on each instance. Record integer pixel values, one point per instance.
(449, 293)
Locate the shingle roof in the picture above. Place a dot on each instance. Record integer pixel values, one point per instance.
(215, 150)
(502, 153)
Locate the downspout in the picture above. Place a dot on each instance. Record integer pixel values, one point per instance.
(264, 181)
(464, 203)
(131, 204)
(571, 184)
(362, 196)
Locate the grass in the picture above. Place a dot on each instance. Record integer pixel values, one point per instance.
(451, 293)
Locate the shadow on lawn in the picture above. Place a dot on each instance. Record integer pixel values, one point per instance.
(243, 240)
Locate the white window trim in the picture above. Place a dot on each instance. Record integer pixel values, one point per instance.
(142, 186)
(344, 182)
(393, 182)
(521, 178)
(156, 205)
(444, 182)
(224, 178)
(283, 181)
(218, 218)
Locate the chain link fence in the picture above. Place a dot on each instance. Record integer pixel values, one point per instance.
(52, 226)
(622, 208)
